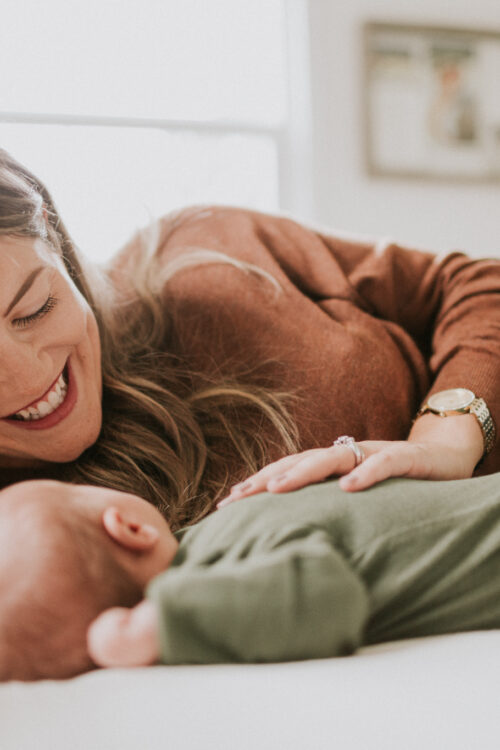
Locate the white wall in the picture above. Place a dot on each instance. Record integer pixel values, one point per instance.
(438, 216)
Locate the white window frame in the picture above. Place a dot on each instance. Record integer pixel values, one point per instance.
(293, 137)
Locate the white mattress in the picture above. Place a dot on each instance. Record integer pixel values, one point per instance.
(434, 693)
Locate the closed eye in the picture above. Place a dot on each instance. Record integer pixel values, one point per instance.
(47, 306)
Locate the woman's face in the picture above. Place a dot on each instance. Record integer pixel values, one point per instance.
(50, 359)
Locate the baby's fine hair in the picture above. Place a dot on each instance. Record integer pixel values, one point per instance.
(46, 611)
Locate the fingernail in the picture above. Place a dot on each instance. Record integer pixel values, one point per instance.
(241, 487)
(236, 490)
(349, 480)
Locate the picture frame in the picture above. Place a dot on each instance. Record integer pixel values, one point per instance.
(431, 102)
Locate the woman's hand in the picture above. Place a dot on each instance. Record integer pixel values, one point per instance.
(121, 637)
(433, 451)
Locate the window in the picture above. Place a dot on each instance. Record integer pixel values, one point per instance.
(129, 110)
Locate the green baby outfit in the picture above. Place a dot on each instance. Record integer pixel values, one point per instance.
(319, 572)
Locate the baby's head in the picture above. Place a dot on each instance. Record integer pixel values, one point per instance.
(67, 552)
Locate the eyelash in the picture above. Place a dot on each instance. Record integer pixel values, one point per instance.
(47, 306)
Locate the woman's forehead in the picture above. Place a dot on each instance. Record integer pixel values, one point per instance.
(21, 252)
(22, 260)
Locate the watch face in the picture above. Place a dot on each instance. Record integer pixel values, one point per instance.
(451, 400)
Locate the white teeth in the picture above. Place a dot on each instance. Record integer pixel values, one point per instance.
(44, 408)
(50, 403)
(54, 399)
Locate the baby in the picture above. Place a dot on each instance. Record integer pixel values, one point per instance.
(68, 552)
(92, 576)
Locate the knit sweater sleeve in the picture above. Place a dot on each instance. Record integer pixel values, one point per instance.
(450, 305)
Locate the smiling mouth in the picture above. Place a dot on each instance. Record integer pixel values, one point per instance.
(47, 404)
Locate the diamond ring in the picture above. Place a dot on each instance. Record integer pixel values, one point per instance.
(349, 442)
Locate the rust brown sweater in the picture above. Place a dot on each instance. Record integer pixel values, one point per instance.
(361, 331)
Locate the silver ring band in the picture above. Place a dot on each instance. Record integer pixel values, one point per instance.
(349, 442)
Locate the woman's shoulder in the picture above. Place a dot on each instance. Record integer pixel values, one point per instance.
(238, 233)
(211, 239)
(179, 231)
(217, 225)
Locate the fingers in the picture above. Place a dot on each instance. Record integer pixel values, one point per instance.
(395, 461)
(383, 459)
(258, 482)
(121, 637)
(292, 472)
(313, 468)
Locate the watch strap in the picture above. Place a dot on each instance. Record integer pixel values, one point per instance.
(483, 416)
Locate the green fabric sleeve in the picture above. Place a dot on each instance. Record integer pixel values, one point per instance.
(299, 600)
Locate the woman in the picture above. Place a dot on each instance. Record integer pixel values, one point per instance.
(230, 339)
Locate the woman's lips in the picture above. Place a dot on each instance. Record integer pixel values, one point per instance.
(56, 416)
(41, 398)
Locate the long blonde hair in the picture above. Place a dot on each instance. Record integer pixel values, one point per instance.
(174, 436)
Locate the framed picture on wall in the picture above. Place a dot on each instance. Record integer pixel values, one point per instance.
(432, 102)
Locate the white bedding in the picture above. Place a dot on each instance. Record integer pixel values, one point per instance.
(433, 693)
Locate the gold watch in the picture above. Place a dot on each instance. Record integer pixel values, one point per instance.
(462, 401)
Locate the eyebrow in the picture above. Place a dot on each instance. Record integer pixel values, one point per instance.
(27, 283)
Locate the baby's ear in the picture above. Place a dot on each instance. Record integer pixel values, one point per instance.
(129, 531)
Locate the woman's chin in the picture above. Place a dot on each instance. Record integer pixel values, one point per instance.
(68, 453)
(63, 452)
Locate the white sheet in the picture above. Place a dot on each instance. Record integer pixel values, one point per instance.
(438, 693)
